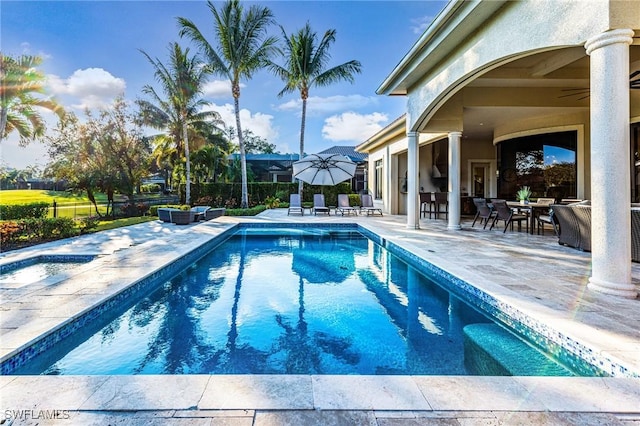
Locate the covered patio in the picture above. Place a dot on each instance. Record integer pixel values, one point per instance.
(490, 74)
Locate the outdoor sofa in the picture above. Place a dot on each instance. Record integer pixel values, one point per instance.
(207, 213)
(574, 222)
(164, 213)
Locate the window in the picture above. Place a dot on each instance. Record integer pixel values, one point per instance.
(377, 185)
(546, 163)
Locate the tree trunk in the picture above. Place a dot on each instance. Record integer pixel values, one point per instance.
(302, 125)
(244, 202)
(185, 138)
(3, 121)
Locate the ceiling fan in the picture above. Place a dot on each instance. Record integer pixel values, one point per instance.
(583, 92)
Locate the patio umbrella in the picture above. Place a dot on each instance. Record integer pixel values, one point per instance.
(324, 169)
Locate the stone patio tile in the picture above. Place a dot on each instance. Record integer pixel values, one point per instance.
(552, 418)
(148, 392)
(126, 418)
(476, 393)
(616, 395)
(259, 392)
(367, 393)
(215, 413)
(424, 421)
(315, 417)
(49, 392)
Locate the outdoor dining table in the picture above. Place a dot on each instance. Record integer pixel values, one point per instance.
(531, 209)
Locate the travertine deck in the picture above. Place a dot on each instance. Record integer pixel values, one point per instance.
(530, 272)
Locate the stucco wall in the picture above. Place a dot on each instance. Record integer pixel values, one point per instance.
(518, 29)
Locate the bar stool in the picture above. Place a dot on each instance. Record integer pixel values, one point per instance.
(427, 204)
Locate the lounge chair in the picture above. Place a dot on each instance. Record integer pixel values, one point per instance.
(295, 205)
(318, 204)
(484, 212)
(366, 204)
(344, 206)
(504, 213)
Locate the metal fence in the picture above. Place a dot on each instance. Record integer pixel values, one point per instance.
(117, 208)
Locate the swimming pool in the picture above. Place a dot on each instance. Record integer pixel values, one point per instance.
(37, 268)
(293, 301)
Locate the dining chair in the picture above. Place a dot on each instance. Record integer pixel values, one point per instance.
(441, 199)
(484, 212)
(542, 215)
(506, 214)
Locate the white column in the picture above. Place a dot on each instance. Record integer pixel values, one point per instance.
(610, 174)
(454, 180)
(413, 217)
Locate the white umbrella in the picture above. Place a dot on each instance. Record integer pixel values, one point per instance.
(324, 169)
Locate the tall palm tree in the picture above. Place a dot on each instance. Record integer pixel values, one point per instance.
(306, 66)
(179, 112)
(20, 81)
(243, 48)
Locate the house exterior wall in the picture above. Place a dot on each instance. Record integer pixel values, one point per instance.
(516, 29)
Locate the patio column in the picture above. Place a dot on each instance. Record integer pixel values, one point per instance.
(413, 216)
(454, 180)
(610, 174)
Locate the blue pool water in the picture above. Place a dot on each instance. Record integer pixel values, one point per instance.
(38, 268)
(296, 302)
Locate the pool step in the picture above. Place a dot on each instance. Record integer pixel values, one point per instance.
(491, 350)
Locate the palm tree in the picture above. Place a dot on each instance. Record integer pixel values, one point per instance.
(179, 113)
(305, 67)
(243, 49)
(18, 106)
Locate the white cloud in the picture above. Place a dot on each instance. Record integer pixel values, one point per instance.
(219, 89)
(35, 153)
(92, 87)
(419, 25)
(322, 105)
(260, 124)
(351, 126)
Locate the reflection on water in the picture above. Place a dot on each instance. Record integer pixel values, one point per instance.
(294, 304)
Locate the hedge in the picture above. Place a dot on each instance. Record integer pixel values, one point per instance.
(24, 211)
(37, 229)
(228, 195)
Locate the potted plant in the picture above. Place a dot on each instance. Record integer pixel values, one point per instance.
(523, 195)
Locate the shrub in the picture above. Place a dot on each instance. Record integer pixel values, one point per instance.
(10, 232)
(252, 211)
(150, 187)
(49, 228)
(142, 208)
(153, 210)
(88, 223)
(24, 211)
(272, 202)
(354, 200)
(207, 200)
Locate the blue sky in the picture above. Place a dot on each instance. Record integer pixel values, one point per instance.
(91, 52)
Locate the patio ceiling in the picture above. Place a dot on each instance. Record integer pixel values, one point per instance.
(542, 85)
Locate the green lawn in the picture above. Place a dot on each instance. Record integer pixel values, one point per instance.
(26, 196)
